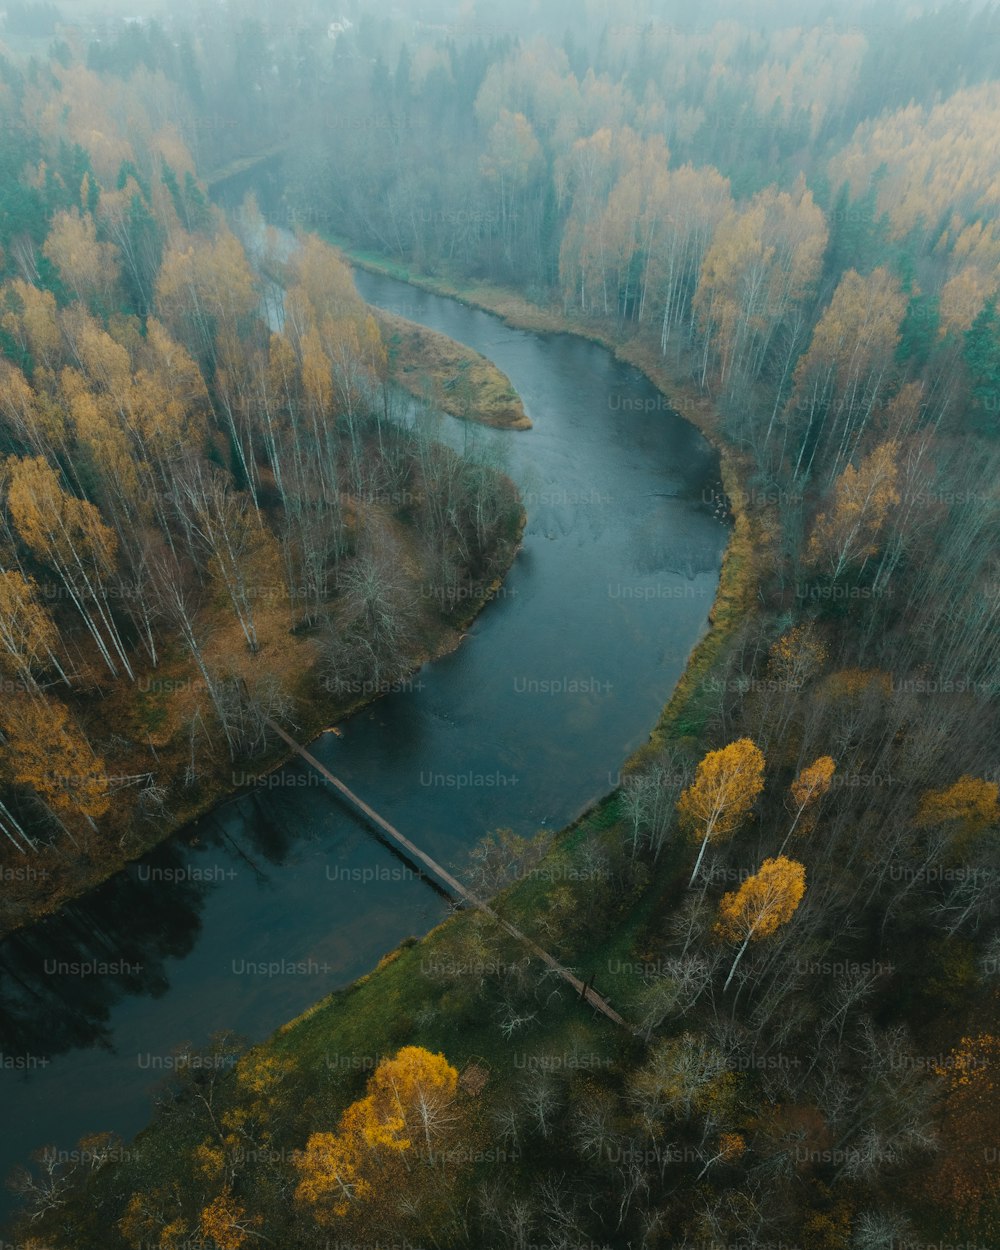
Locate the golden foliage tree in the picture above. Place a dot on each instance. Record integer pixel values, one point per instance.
(227, 1223)
(684, 208)
(19, 408)
(323, 286)
(849, 530)
(407, 1107)
(962, 298)
(966, 808)
(762, 904)
(764, 261)
(45, 751)
(69, 536)
(960, 1182)
(331, 1168)
(586, 176)
(31, 320)
(724, 789)
(848, 368)
(28, 638)
(241, 552)
(205, 288)
(406, 1097)
(512, 160)
(807, 791)
(150, 1219)
(931, 157)
(88, 268)
(797, 656)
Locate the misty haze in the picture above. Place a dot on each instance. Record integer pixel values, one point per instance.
(499, 650)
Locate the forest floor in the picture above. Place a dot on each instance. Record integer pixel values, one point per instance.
(448, 376)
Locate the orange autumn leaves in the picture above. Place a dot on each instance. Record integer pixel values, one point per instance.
(842, 377)
(366, 1178)
(762, 904)
(847, 533)
(808, 789)
(762, 265)
(407, 1109)
(963, 811)
(963, 1181)
(227, 1224)
(45, 750)
(925, 159)
(969, 805)
(724, 789)
(726, 785)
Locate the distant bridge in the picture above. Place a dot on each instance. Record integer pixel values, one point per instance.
(243, 165)
(413, 852)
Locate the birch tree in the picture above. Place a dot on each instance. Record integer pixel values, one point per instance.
(726, 784)
(68, 535)
(762, 904)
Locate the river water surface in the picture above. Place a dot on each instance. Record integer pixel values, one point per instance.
(281, 895)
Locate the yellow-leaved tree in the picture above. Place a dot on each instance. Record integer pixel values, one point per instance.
(205, 289)
(331, 1167)
(968, 1117)
(970, 803)
(227, 1224)
(806, 792)
(848, 532)
(724, 789)
(87, 267)
(45, 750)
(762, 904)
(512, 161)
(408, 1107)
(28, 637)
(796, 656)
(408, 1097)
(963, 810)
(846, 373)
(69, 535)
(31, 320)
(761, 267)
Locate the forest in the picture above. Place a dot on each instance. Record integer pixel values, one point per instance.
(211, 512)
(792, 228)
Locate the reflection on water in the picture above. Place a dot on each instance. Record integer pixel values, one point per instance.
(282, 895)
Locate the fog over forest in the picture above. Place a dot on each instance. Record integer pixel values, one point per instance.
(499, 651)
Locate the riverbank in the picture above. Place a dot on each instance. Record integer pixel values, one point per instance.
(153, 716)
(446, 991)
(357, 1015)
(450, 377)
(752, 549)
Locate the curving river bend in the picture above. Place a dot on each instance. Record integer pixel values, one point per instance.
(560, 679)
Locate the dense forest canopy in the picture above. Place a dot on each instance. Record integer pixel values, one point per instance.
(792, 226)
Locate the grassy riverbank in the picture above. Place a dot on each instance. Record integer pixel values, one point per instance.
(752, 548)
(466, 988)
(450, 377)
(369, 1012)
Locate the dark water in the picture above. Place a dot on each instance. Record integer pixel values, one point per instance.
(281, 896)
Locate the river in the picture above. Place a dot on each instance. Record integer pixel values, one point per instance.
(281, 895)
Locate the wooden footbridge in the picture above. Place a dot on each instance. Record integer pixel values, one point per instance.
(450, 883)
